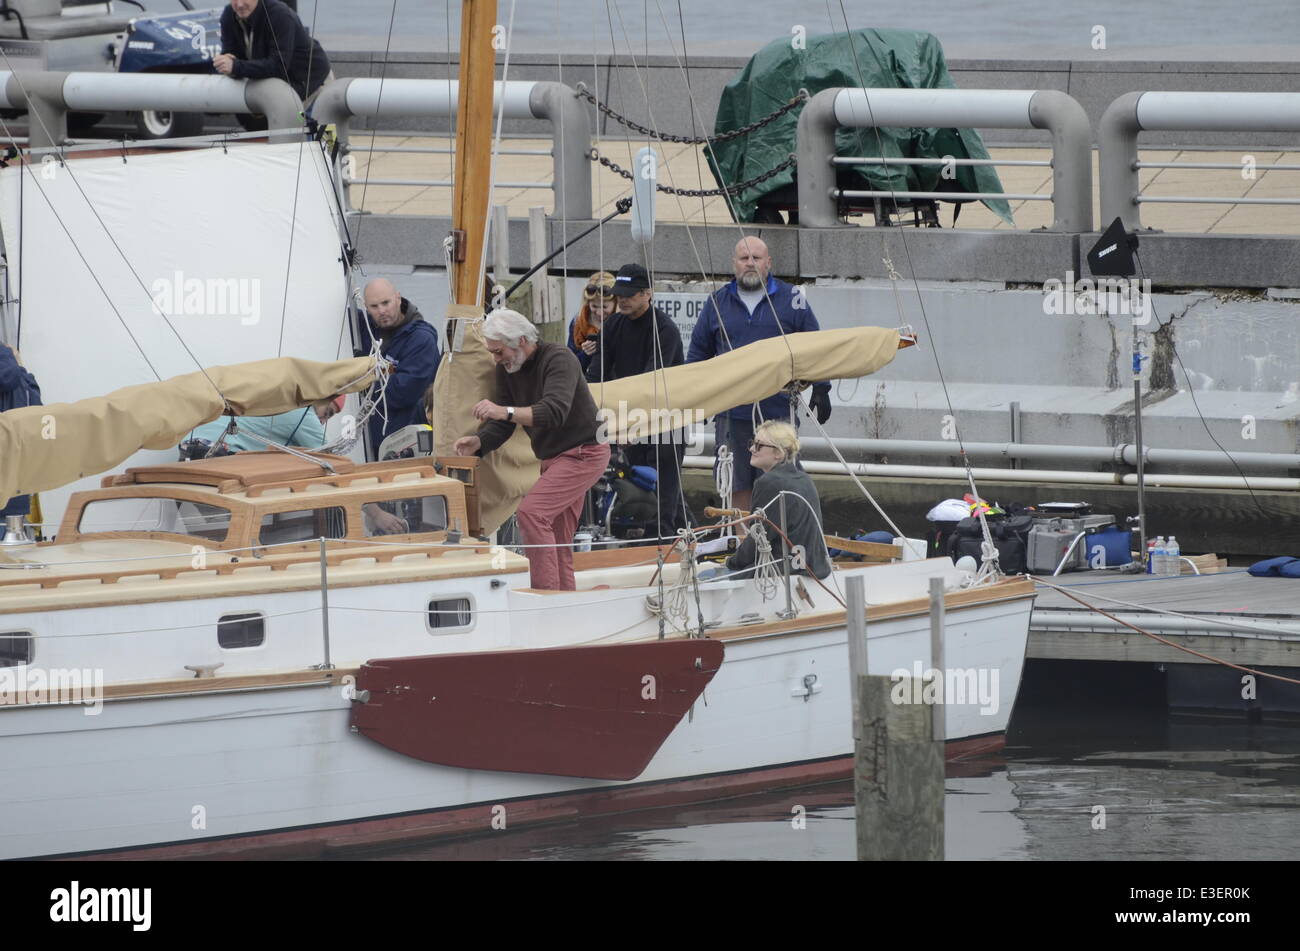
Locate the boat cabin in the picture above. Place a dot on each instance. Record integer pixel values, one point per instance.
(254, 499)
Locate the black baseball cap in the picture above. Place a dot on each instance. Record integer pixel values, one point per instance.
(630, 279)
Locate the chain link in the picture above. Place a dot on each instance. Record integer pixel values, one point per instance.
(800, 98)
(595, 156)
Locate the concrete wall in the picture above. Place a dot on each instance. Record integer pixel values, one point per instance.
(993, 345)
(1173, 261)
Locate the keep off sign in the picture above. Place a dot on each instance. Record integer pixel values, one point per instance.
(683, 310)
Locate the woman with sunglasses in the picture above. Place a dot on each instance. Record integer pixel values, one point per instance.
(773, 451)
(597, 304)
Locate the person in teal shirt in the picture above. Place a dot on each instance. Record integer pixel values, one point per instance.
(298, 427)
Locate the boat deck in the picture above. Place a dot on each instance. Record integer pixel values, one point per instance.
(1267, 611)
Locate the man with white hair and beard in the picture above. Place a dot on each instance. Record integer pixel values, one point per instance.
(753, 307)
(540, 386)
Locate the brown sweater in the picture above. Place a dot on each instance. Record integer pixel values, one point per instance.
(551, 383)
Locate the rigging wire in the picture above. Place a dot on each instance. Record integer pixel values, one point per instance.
(108, 234)
(24, 168)
(989, 550)
(1162, 640)
(297, 179)
(383, 73)
(660, 376)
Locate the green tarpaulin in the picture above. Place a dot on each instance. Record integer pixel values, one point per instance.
(864, 58)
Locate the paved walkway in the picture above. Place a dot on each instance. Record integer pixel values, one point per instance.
(685, 167)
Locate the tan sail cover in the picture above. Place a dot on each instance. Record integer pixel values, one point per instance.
(43, 447)
(465, 376)
(644, 405)
(638, 406)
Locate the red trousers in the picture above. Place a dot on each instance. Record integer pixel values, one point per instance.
(549, 513)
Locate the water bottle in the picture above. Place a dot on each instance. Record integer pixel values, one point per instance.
(1173, 567)
(1151, 556)
(1157, 548)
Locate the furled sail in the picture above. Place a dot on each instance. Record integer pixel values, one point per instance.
(465, 376)
(651, 403)
(43, 447)
(639, 406)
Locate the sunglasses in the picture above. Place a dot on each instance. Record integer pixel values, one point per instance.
(756, 445)
(594, 291)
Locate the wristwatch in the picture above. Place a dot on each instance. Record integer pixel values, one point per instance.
(510, 414)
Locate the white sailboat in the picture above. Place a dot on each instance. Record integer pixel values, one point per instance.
(222, 657)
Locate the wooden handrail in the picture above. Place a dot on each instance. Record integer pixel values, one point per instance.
(276, 562)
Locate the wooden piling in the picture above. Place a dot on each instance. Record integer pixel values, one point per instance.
(898, 765)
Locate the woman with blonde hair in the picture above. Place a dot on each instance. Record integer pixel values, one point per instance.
(597, 304)
(774, 450)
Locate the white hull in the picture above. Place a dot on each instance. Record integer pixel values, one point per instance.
(194, 766)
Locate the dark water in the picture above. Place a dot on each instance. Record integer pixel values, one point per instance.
(1171, 787)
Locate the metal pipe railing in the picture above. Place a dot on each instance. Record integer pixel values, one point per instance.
(887, 160)
(50, 96)
(1134, 112)
(344, 99)
(1038, 476)
(1058, 113)
(1121, 454)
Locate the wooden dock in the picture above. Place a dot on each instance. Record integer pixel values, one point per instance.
(1253, 622)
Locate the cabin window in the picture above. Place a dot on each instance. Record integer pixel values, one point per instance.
(450, 615)
(235, 631)
(426, 513)
(15, 648)
(301, 525)
(178, 516)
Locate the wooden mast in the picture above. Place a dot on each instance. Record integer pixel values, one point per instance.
(473, 146)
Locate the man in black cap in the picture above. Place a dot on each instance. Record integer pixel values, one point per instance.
(640, 338)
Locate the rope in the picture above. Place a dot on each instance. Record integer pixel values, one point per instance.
(375, 401)
(898, 532)
(765, 570)
(722, 479)
(1162, 640)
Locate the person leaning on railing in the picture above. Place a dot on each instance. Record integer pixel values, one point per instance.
(264, 39)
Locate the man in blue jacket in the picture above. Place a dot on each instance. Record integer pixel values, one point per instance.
(743, 312)
(18, 388)
(264, 39)
(410, 345)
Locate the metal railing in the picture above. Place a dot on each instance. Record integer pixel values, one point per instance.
(343, 99)
(949, 162)
(1058, 113)
(50, 96)
(1134, 112)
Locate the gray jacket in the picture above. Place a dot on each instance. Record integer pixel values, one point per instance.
(803, 523)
